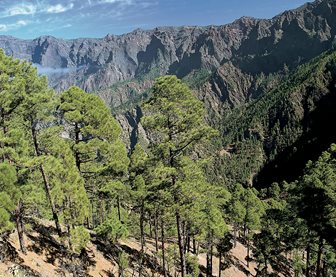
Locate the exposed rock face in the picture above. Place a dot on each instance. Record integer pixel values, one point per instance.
(249, 44)
(133, 131)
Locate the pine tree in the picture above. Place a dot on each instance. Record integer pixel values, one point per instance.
(36, 111)
(11, 187)
(67, 185)
(9, 196)
(139, 192)
(317, 201)
(202, 208)
(224, 245)
(236, 210)
(19, 86)
(176, 118)
(254, 210)
(215, 229)
(94, 137)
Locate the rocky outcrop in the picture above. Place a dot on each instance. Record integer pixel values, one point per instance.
(133, 131)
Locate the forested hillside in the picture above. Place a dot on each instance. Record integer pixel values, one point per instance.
(65, 169)
(178, 151)
(284, 128)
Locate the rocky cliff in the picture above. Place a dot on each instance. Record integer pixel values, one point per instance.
(247, 45)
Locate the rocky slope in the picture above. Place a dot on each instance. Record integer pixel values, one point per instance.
(246, 46)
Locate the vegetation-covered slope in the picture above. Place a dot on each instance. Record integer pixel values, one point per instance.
(62, 160)
(283, 129)
(164, 207)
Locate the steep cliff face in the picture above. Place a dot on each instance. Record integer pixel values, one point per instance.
(247, 46)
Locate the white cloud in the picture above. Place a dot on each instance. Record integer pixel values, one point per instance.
(59, 8)
(22, 9)
(21, 23)
(124, 2)
(147, 4)
(31, 9)
(13, 26)
(42, 70)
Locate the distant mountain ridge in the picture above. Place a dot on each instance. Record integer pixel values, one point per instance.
(251, 45)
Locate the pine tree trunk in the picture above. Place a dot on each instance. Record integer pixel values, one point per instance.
(69, 236)
(142, 238)
(22, 227)
(101, 212)
(51, 202)
(150, 226)
(248, 254)
(118, 204)
(248, 248)
(2, 143)
(194, 245)
(175, 258)
(244, 229)
(207, 264)
(163, 249)
(184, 228)
(211, 258)
(208, 255)
(46, 183)
(235, 234)
(87, 222)
(188, 242)
(181, 244)
(105, 212)
(220, 265)
(308, 260)
(93, 214)
(77, 155)
(19, 227)
(319, 256)
(156, 233)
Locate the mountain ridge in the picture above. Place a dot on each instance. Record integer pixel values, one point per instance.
(100, 63)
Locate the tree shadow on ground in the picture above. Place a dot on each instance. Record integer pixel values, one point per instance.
(8, 252)
(282, 265)
(111, 252)
(56, 253)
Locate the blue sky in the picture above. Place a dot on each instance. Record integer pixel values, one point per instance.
(96, 18)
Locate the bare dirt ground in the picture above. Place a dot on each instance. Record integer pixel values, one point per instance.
(42, 258)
